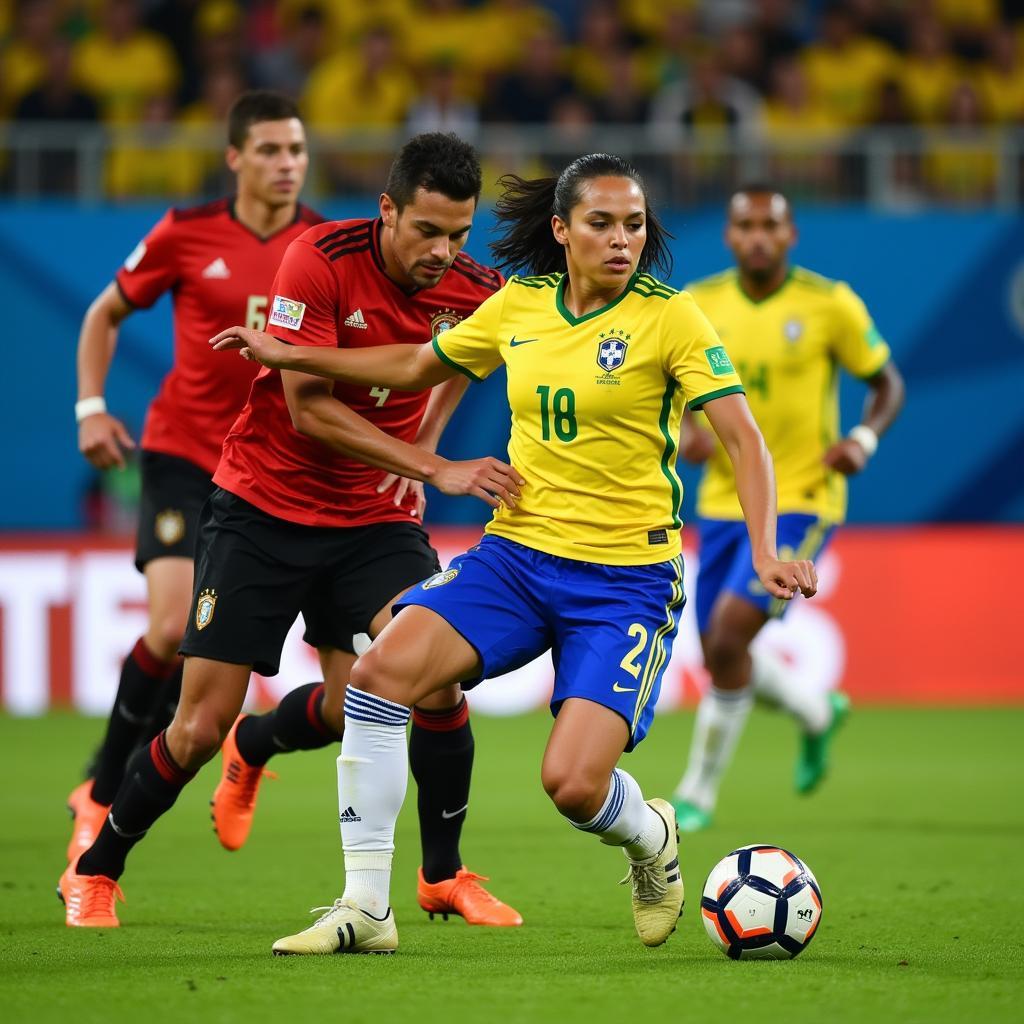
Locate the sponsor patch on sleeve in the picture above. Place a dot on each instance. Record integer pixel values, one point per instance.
(718, 360)
(287, 313)
(135, 257)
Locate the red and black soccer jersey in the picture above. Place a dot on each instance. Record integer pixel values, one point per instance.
(220, 274)
(332, 289)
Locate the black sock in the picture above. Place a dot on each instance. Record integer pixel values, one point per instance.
(296, 723)
(152, 783)
(441, 759)
(142, 676)
(166, 704)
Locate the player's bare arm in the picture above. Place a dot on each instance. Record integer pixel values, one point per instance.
(444, 399)
(317, 414)
(399, 367)
(102, 438)
(755, 483)
(886, 394)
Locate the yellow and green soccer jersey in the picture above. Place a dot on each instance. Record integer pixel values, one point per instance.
(788, 348)
(596, 403)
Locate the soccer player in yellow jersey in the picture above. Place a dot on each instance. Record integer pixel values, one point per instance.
(789, 332)
(582, 556)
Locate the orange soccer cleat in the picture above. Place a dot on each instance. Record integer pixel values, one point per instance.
(89, 900)
(87, 817)
(234, 799)
(465, 896)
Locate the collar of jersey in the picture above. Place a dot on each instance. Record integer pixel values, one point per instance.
(574, 320)
(262, 238)
(771, 295)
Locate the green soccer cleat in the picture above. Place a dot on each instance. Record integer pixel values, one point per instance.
(690, 817)
(343, 929)
(657, 884)
(812, 764)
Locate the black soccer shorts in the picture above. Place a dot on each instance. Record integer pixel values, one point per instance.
(173, 494)
(255, 573)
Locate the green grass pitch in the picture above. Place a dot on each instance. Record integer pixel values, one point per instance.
(916, 840)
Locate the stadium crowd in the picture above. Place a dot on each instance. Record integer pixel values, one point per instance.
(791, 75)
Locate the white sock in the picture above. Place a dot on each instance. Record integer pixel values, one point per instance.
(626, 820)
(774, 683)
(373, 772)
(720, 720)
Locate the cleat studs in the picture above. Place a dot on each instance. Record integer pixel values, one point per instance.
(444, 917)
(430, 914)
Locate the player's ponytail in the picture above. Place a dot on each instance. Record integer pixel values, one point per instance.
(524, 211)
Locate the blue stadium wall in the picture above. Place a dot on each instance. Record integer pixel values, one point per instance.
(947, 291)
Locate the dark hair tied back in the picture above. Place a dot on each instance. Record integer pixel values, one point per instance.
(526, 207)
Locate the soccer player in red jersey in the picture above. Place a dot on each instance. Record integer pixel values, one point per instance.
(297, 523)
(218, 261)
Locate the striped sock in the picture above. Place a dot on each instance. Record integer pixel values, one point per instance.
(373, 772)
(441, 758)
(626, 820)
(295, 724)
(152, 783)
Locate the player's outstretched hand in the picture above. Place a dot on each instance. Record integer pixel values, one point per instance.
(403, 486)
(846, 456)
(103, 440)
(784, 579)
(488, 479)
(255, 345)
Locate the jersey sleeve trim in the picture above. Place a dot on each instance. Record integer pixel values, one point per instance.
(451, 362)
(124, 295)
(871, 373)
(697, 403)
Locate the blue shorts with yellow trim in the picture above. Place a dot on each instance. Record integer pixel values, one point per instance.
(726, 563)
(610, 628)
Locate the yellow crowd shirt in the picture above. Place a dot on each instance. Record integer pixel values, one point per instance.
(788, 349)
(596, 403)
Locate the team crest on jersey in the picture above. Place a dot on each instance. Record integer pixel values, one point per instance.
(286, 313)
(204, 608)
(443, 320)
(612, 346)
(440, 579)
(169, 526)
(793, 329)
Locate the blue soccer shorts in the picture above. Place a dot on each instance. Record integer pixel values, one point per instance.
(726, 563)
(610, 628)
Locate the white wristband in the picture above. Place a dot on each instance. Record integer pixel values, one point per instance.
(865, 437)
(89, 407)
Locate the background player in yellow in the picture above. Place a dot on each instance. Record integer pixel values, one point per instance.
(788, 331)
(582, 558)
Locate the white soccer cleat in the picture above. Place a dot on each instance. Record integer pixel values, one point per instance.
(657, 884)
(343, 929)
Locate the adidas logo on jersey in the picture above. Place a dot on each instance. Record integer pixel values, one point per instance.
(356, 319)
(349, 815)
(218, 268)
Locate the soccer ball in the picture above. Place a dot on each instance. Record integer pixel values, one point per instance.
(761, 902)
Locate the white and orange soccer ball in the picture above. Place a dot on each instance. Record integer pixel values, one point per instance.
(761, 902)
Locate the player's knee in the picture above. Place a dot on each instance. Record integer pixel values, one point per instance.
(574, 794)
(723, 652)
(372, 674)
(195, 739)
(164, 635)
